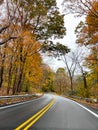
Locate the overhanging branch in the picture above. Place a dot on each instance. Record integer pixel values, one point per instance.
(4, 28)
(6, 40)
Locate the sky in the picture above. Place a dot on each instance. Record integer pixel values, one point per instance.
(69, 40)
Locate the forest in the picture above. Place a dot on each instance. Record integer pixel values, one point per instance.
(27, 30)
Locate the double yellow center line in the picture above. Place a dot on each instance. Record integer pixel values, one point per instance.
(27, 124)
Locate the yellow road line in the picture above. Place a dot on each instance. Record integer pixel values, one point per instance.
(26, 128)
(27, 124)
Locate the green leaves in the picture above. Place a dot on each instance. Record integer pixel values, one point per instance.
(44, 17)
(56, 24)
(55, 50)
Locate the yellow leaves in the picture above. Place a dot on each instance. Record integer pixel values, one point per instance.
(96, 69)
(33, 69)
(92, 21)
(28, 49)
(21, 57)
(88, 33)
(91, 30)
(28, 42)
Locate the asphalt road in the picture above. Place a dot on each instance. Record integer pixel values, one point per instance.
(65, 114)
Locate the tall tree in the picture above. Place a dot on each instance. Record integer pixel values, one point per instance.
(61, 51)
(87, 34)
(92, 64)
(19, 57)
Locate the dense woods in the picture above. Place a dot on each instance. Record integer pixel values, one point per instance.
(28, 28)
(24, 28)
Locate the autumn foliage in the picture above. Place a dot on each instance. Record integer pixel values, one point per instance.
(87, 35)
(24, 27)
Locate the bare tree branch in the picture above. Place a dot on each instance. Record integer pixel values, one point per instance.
(6, 40)
(4, 28)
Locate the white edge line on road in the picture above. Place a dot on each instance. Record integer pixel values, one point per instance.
(16, 104)
(96, 115)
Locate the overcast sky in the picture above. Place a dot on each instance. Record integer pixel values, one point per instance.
(69, 40)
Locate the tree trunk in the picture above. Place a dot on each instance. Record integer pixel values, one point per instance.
(19, 84)
(9, 76)
(71, 85)
(1, 76)
(2, 70)
(84, 79)
(71, 75)
(15, 81)
(20, 78)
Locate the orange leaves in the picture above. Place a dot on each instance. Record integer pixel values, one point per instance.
(87, 33)
(33, 69)
(29, 52)
(92, 22)
(28, 41)
(22, 58)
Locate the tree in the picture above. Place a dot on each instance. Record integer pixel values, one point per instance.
(92, 64)
(61, 51)
(2, 62)
(28, 60)
(81, 7)
(87, 34)
(61, 81)
(47, 80)
(21, 62)
(84, 77)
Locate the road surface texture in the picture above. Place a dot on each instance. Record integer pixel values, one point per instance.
(63, 114)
